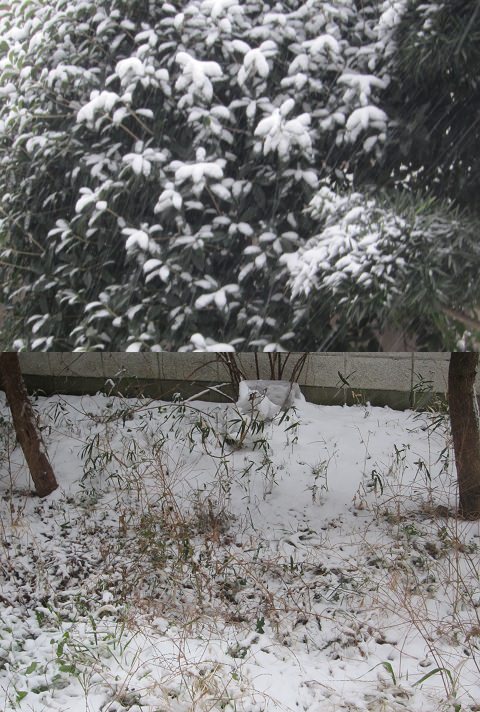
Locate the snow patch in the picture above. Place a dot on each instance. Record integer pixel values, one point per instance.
(268, 398)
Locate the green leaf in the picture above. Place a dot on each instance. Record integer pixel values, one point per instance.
(293, 425)
(68, 667)
(259, 626)
(388, 667)
(31, 668)
(259, 196)
(435, 672)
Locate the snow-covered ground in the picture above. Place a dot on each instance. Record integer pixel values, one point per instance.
(199, 557)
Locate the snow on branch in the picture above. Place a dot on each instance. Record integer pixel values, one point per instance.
(101, 102)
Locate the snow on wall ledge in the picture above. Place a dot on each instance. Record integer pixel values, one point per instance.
(383, 378)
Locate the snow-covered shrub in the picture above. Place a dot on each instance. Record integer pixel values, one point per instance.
(158, 161)
(156, 158)
(375, 264)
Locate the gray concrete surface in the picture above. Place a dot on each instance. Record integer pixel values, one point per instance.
(389, 378)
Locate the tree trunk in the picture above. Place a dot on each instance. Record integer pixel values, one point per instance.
(28, 434)
(464, 419)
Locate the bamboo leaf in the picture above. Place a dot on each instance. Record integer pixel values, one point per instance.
(436, 671)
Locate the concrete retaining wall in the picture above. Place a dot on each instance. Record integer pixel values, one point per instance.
(397, 379)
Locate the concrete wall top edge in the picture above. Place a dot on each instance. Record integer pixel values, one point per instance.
(363, 370)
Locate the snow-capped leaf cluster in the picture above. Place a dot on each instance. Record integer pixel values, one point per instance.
(360, 243)
(282, 135)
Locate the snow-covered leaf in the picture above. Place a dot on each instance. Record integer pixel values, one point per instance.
(136, 239)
